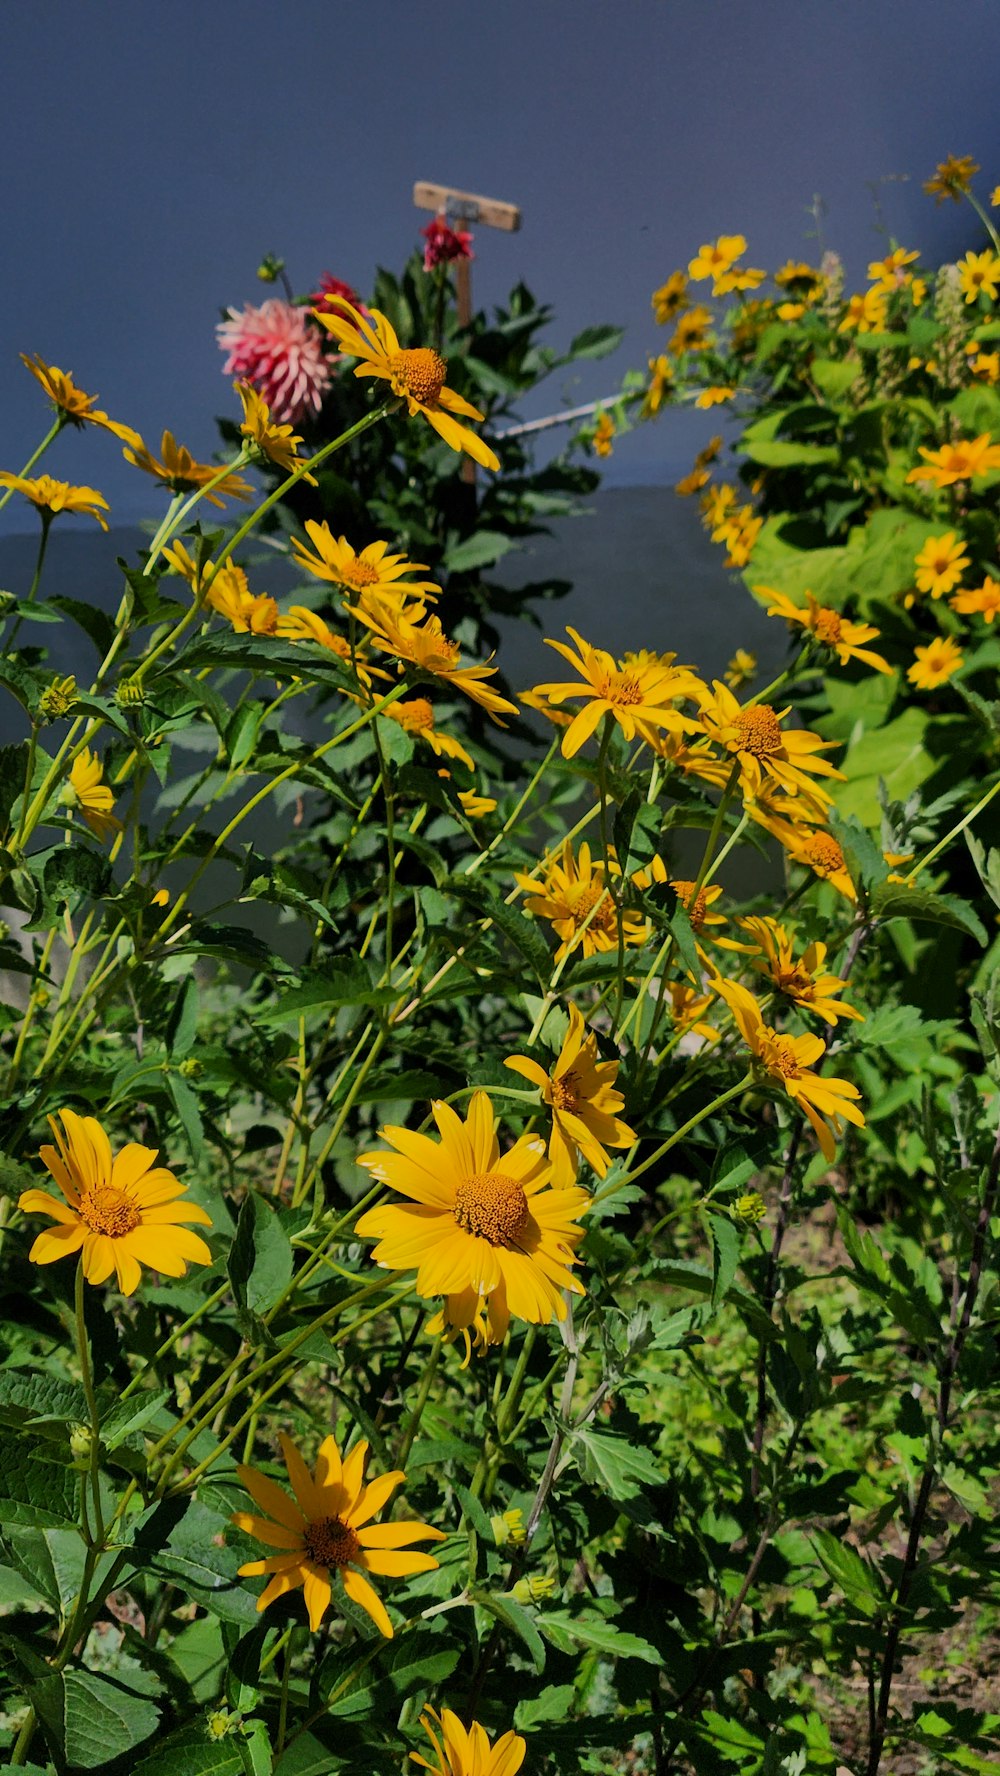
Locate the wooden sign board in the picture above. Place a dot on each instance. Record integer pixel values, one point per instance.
(464, 206)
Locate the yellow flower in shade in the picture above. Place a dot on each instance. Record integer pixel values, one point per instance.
(755, 737)
(979, 275)
(182, 473)
(580, 1093)
(119, 1212)
(416, 717)
(574, 894)
(640, 692)
(716, 257)
(890, 273)
(741, 669)
(475, 806)
(604, 432)
(71, 403)
(661, 376)
(820, 852)
(248, 612)
(739, 533)
(326, 1531)
(278, 442)
(560, 718)
(373, 571)
(480, 1223)
(425, 646)
(687, 1011)
(717, 506)
(789, 1061)
(744, 277)
(709, 452)
(87, 791)
(671, 298)
(52, 497)
(934, 664)
(714, 396)
(691, 332)
(800, 279)
(865, 314)
(957, 462)
(692, 483)
(941, 564)
(467, 1752)
(952, 178)
(417, 376)
(790, 311)
(995, 197)
(800, 978)
(983, 601)
(986, 366)
(694, 760)
(844, 638)
(698, 906)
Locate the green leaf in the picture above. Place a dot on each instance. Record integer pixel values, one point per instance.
(859, 1582)
(96, 624)
(126, 1417)
(833, 376)
(260, 1262)
(725, 1256)
(567, 1632)
(480, 550)
(182, 1024)
(27, 1398)
(782, 453)
(895, 754)
(191, 1753)
(519, 928)
(866, 865)
(35, 1488)
(730, 1737)
(554, 1703)
(615, 1463)
(893, 901)
(184, 1544)
(91, 1719)
(596, 342)
(347, 982)
(13, 765)
(511, 1614)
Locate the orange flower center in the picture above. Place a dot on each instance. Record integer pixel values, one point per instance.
(758, 732)
(779, 1054)
(622, 690)
(359, 574)
(420, 374)
(330, 1542)
(584, 902)
(414, 718)
(823, 854)
(696, 913)
(563, 1093)
(492, 1207)
(109, 1210)
(828, 626)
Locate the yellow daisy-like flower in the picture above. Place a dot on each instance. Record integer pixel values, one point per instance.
(417, 376)
(695, 760)
(71, 403)
(739, 533)
(715, 257)
(580, 1093)
(87, 791)
(790, 311)
(661, 376)
(119, 1212)
(995, 197)
(934, 664)
(574, 894)
(476, 806)
(844, 638)
(819, 852)
(755, 737)
(890, 273)
(952, 178)
(479, 1223)
(182, 473)
(278, 442)
(687, 1011)
(983, 601)
(604, 432)
(717, 506)
(372, 572)
(789, 1061)
(52, 497)
(986, 366)
(692, 483)
(957, 462)
(865, 314)
(250, 613)
(692, 332)
(714, 396)
(671, 298)
(744, 277)
(639, 693)
(326, 1531)
(800, 978)
(941, 564)
(741, 669)
(979, 275)
(425, 646)
(461, 1752)
(799, 278)
(416, 717)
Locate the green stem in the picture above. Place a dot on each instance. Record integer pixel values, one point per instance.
(678, 1135)
(423, 1394)
(83, 1351)
(36, 579)
(54, 430)
(965, 821)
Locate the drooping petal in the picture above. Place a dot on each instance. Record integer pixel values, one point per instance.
(57, 1242)
(39, 1202)
(360, 1592)
(317, 1591)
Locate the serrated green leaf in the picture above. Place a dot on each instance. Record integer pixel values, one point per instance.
(893, 901)
(567, 1632)
(36, 1488)
(92, 1719)
(615, 1463)
(519, 1622)
(725, 1256)
(260, 1262)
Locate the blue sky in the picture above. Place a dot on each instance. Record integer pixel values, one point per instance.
(154, 152)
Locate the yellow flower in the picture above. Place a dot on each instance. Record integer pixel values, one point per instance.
(326, 1530)
(754, 736)
(671, 298)
(687, 1011)
(844, 638)
(717, 505)
(461, 1752)
(278, 442)
(739, 532)
(957, 462)
(984, 601)
(716, 257)
(865, 314)
(417, 376)
(790, 311)
(248, 612)
(995, 197)
(119, 1212)
(820, 852)
(714, 396)
(889, 273)
(941, 564)
(694, 760)
(800, 279)
(640, 694)
(480, 1223)
(746, 277)
(425, 646)
(579, 1091)
(417, 717)
(180, 471)
(603, 434)
(952, 178)
(691, 332)
(95, 800)
(934, 664)
(986, 365)
(692, 483)
(800, 978)
(372, 572)
(574, 895)
(75, 407)
(661, 376)
(788, 1060)
(475, 806)
(51, 497)
(741, 669)
(978, 275)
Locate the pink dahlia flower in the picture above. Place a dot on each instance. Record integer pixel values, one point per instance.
(445, 243)
(277, 349)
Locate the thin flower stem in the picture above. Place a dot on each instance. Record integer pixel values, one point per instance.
(53, 432)
(412, 1425)
(83, 1352)
(36, 579)
(954, 832)
(985, 218)
(700, 1116)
